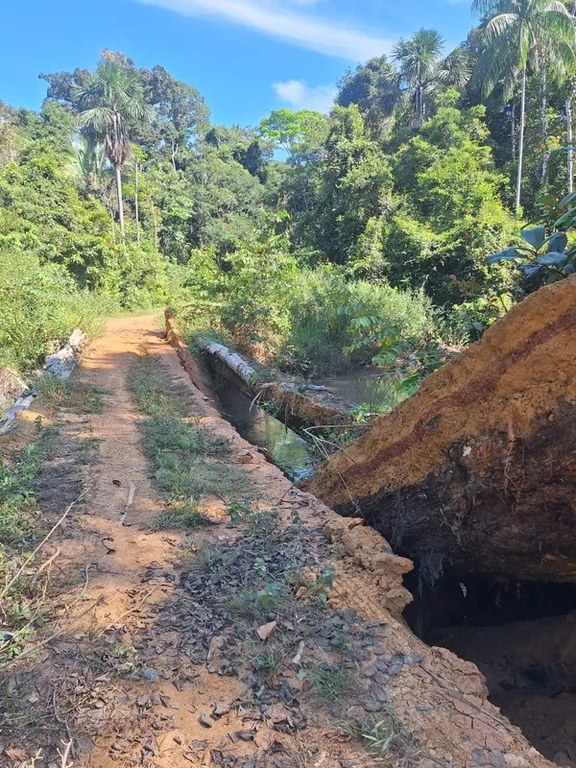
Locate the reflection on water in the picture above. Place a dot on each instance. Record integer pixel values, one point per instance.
(284, 447)
(368, 386)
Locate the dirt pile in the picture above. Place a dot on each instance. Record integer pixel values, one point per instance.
(479, 467)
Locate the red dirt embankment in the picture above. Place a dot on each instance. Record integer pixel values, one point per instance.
(480, 464)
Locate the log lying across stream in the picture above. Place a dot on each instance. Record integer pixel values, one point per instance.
(295, 403)
(478, 468)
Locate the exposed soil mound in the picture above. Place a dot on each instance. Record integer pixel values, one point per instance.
(479, 467)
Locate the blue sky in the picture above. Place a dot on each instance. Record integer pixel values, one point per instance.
(247, 57)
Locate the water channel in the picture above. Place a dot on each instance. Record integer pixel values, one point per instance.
(284, 447)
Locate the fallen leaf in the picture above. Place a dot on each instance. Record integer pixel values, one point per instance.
(266, 630)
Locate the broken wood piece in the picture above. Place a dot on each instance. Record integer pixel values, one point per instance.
(131, 492)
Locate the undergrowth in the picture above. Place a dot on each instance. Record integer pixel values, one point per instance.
(20, 528)
(154, 393)
(17, 480)
(72, 394)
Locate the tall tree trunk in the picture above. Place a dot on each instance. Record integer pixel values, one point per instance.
(521, 142)
(136, 201)
(513, 131)
(120, 199)
(544, 124)
(173, 153)
(569, 140)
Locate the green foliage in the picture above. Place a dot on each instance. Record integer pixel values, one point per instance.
(451, 214)
(339, 325)
(40, 307)
(545, 255)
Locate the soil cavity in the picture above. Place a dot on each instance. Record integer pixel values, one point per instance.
(522, 637)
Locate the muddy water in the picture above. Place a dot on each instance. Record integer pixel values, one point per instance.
(368, 387)
(285, 448)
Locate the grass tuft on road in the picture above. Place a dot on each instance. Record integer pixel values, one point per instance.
(72, 394)
(188, 462)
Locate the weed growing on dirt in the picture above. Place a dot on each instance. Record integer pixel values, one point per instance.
(184, 457)
(181, 517)
(72, 394)
(154, 393)
(385, 739)
(186, 460)
(17, 525)
(19, 528)
(331, 685)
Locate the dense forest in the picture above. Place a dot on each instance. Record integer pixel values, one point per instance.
(322, 242)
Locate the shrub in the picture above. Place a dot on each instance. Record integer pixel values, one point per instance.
(40, 307)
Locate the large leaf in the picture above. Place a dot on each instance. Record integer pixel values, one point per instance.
(530, 270)
(557, 242)
(535, 236)
(552, 259)
(568, 199)
(508, 254)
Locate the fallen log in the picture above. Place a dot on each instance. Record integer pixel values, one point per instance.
(296, 404)
(478, 468)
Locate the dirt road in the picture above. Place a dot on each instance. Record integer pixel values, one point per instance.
(249, 640)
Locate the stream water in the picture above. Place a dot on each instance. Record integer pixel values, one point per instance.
(283, 446)
(369, 387)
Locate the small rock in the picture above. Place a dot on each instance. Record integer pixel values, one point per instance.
(371, 705)
(151, 675)
(371, 671)
(480, 757)
(205, 721)
(220, 710)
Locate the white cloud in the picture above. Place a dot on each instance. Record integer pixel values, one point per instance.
(300, 95)
(287, 20)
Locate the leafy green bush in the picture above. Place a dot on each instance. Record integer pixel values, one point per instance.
(337, 325)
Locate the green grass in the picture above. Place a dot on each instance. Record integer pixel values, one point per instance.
(331, 685)
(188, 462)
(185, 460)
(17, 525)
(181, 517)
(154, 393)
(72, 394)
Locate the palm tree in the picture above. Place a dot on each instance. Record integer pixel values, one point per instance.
(422, 69)
(514, 32)
(110, 104)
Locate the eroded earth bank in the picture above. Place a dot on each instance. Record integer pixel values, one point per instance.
(474, 478)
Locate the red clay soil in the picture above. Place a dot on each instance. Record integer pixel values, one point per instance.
(479, 466)
(109, 670)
